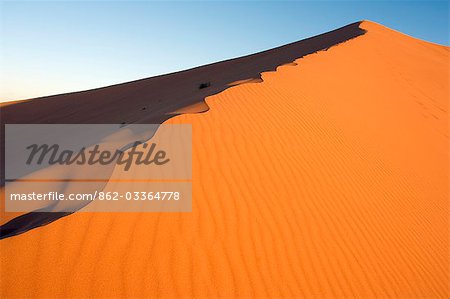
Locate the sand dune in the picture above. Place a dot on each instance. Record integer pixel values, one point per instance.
(327, 179)
(149, 101)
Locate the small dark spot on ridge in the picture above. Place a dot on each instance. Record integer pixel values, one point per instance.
(204, 85)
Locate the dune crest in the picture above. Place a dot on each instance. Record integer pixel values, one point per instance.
(149, 101)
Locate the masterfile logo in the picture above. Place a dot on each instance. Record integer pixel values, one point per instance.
(55, 168)
(55, 155)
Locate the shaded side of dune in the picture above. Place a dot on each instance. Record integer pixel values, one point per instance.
(151, 101)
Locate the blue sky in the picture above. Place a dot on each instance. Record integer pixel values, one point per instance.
(62, 46)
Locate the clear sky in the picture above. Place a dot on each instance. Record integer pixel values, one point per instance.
(61, 46)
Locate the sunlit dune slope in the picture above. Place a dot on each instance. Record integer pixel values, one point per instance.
(328, 179)
(148, 101)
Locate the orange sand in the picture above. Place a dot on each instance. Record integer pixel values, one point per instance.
(329, 179)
